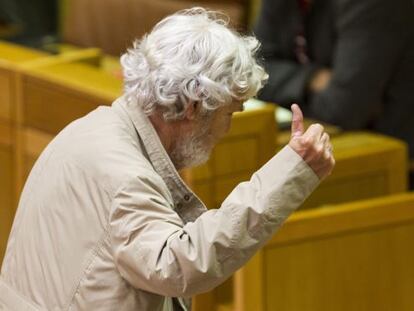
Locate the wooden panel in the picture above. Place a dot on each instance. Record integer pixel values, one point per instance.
(82, 78)
(224, 185)
(5, 134)
(34, 143)
(249, 144)
(6, 92)
(50, 103)
(362, 185)
(205, 191)
(14, 58)
(367, 165)
(16, 54)
(54, 91)
(232, 157)
(90, 56)
(346, 217)
(362, 271)
(354, 256)
(50, 107)
(89, 22)
(6, 207)
(6, 204)
(11, 57)
(249, 282)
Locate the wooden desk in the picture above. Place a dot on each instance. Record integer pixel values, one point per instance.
(11, 56)
(58, 94)
(355, 256)
(367, 165)
(6, 179)
(249, 144)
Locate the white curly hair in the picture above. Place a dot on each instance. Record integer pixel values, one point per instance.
(191, 56)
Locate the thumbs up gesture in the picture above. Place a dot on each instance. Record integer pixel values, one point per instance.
(313, 145)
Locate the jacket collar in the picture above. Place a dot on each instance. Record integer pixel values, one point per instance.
(186, 204)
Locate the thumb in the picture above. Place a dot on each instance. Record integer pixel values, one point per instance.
(297, 121)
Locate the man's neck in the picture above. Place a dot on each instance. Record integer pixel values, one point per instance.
(167, 131)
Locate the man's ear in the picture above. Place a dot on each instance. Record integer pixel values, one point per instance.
(191, 110)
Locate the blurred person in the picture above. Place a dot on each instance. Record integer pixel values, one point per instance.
(31, 23)
(106, 223)
(347, 62)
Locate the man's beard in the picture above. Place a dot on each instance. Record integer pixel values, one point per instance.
(192, 149)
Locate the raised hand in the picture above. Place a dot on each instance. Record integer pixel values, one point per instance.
(313, 145)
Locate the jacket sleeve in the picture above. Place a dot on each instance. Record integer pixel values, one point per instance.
(371, 35)
(156, 252)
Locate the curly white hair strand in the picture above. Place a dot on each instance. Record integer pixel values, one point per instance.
(191, 56)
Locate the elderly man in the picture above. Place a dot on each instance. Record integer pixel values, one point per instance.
(105, 221)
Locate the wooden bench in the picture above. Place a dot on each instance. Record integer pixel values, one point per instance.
(249, 144)
(367, 165)
(6, 180)
(355, 256)
(11, 56)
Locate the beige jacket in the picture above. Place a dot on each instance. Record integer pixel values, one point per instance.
(106, 223)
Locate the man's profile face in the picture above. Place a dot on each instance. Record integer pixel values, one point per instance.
(220, 123)
(194, 147)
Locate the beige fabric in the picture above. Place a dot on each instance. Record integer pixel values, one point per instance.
(112, 24)
(106, 223)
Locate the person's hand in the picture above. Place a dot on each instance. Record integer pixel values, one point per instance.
(313, 145)
(320, 80)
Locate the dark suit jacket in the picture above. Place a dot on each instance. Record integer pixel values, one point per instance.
(368, 44)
